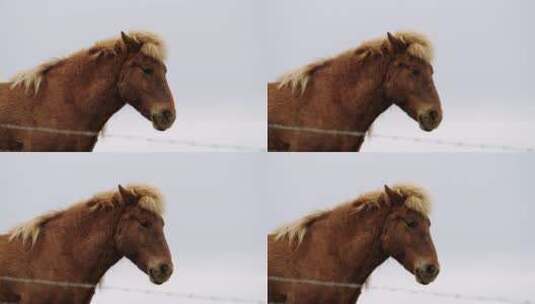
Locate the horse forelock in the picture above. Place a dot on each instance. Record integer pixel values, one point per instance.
(418, 45)
(416, 198)
(152, 46)
(150, 199)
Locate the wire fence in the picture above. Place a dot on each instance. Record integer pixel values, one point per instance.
(243, 148)
(440, 142)
(455, 296)
(189, 143)
(173, 294)
(212, 298)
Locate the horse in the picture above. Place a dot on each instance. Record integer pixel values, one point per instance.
(327, 256)
(63, 104)
(61, 256)
(329, 105)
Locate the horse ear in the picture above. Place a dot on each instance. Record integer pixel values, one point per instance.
(127, 195)
(394, 197)
(397, 45)
(132, 45)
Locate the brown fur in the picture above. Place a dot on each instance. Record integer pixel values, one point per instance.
(348, 92)
(81, 92)
(345, 244)
(79, 244)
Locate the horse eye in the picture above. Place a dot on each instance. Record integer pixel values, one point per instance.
(148, 71)
(415, 72)
(145, 224)
(411, 224)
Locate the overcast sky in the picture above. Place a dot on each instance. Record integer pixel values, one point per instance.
(211, 224)
(221, 206)
(482, 220)
(214, 68)
(483, 66)
(222, 53)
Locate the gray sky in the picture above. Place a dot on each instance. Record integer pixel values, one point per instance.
(215, 62)
(211, 223)
(222, 53)
(221, 206)
(481, 224)
(483, 67)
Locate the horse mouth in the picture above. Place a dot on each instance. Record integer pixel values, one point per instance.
(163, 120)
(426, 127)
(158, 278)
(424, 280)
(429, 121)
(424, 277)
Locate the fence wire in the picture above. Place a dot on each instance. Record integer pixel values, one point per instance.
(460, 144)
(173, 294)
(190, 143)
(212, 298)
(243, 148)
(449, 295)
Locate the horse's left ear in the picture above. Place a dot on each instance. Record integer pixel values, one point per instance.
(132, 45)
(128, 196)
(397, 45)
(394, 197)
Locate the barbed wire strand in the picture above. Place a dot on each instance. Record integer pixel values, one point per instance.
(193, 296)
(190, 143)
(174, 294)
(214, 146)
(456, 296)
(461, 144)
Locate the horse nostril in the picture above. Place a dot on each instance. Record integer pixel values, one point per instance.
(431, 269)
(433, 115)
(167, 114)
(164, 268)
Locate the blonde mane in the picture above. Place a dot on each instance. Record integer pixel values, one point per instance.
(150, 199)
(152, 46)
(416, 198)
(418, 45)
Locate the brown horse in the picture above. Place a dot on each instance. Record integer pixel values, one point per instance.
(63, 104)
(345, 244)
(348, 92)
(78, 245)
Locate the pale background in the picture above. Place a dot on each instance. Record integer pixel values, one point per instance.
(222, 53)
(482, 222)
(483, 68)
(213, 210)
(214, 64)
(221, 206)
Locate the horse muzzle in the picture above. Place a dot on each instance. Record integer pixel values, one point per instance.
(160, 273)
(163, 120)
(427, 273)
(429, 120)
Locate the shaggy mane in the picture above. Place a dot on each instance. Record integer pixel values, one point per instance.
(152, 46)
(416, 198)
(418, 45)
(150, 199)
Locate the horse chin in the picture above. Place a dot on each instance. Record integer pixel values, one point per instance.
(158, 280)
(424, 280)
(159, 126)
(162, 122)
(427, 125)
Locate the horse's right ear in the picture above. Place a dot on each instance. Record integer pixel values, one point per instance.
(132, 46)
(127, 195)
(394, 197)
(397, 45)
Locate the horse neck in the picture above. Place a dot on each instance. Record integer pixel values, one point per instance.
(92, 239)
(95, 90)
(356, 90)
(360, 256)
